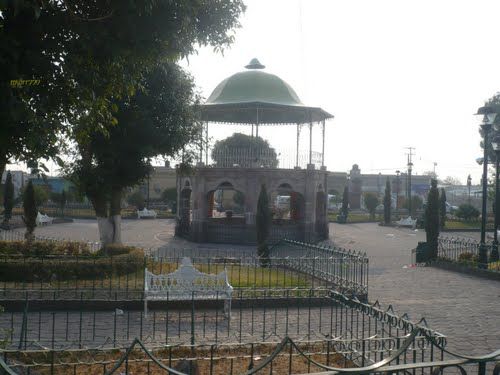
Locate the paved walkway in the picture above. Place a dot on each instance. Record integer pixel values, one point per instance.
(465, 308)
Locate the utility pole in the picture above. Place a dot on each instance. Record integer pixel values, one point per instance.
(410, 154)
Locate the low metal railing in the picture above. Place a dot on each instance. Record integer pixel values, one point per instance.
(465, 251)
(347, 270)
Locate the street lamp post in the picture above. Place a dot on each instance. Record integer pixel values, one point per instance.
(496, 147)
(487, 122)
(469, 183)
(410, 165)
(397, 189)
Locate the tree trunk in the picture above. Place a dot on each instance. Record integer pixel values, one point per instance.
(3, 163)
(104, 225)
(116, 214)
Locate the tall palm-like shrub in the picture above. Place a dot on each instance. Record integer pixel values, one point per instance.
(442, 208)
(432, 220)
(62, 202)
(344, 211)
(8, 199)
(30, 211)
(263, 223)
(387, 202)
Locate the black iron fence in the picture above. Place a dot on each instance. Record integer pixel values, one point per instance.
(257, 316)
(347, 270)
(363, 339)
(465, 251)
(95, 277)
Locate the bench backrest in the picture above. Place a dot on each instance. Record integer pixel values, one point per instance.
(186, 280)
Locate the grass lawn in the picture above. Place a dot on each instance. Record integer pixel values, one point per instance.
(462, 224)
(245, 276)
(240, 276)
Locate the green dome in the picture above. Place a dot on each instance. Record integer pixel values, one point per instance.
(255, 97)
(254, 86)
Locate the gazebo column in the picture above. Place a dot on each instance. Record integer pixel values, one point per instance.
(323, 143)
(206, 143)
(297, 152)
(310, 165)
(257, 123)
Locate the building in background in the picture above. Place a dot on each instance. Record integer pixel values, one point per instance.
(160, 179)
(360, 184)
(53, 184)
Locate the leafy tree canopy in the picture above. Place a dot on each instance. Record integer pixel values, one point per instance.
(85, 56)
(158, 120)
(244, 150)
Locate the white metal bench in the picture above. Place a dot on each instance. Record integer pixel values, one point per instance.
(146, 213)
(187, 283)
(408, 222)
(43, 219)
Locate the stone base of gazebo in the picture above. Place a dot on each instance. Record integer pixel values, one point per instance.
(307, 187)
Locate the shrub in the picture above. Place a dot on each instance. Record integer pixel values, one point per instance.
(371, 203)
(468, 257)
(48, 261)
(467, 212)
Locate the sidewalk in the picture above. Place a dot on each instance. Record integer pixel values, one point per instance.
(464, 308)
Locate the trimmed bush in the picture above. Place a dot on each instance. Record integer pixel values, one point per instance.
(48, 261)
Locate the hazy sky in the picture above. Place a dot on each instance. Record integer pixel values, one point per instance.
(394, 73)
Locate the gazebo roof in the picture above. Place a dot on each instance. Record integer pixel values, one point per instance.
(256, 97)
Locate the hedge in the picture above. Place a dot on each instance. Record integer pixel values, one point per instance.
(41, 262)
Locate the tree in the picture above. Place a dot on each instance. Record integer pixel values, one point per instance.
(263, 224)
(442, 208)
(62, 202)
(245, 151)
(169, 195)
(371, 203)
(416, 204)
(467, 212)
(239, 198)
(432, 220)
(493, 102)
(41, 195)
(85, 56)
(30, 211)
(387, 202)
(8, 199)
(344, 210)
(450, 180)
(160, 119)
(136, 199)
(431, 174)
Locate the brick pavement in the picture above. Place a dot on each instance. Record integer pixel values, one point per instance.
(464, 307)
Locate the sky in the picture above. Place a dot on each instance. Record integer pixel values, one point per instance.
(395, 74)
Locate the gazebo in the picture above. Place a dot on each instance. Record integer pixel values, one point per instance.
(298, 195)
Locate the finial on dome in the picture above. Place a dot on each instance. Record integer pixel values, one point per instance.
(254, 64)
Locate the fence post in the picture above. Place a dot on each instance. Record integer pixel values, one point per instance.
(192, 321)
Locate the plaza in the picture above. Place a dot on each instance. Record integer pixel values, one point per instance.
(463, 307)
